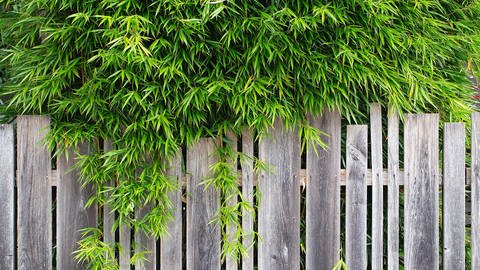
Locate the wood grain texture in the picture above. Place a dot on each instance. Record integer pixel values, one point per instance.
(377, 186)
(475, 196)
(454, 196)
(279, 211)
(171, 244)
(34, 194)
(7, 191)
(125, 242)
(393, 212)
(248, 195)
(108, 213)
(323, 195)
(356, 201)
(145, 243)
(203, 237)
(72, 216)
(421, 191)
(232, 262)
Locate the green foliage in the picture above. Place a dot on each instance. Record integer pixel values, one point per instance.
(154, 76)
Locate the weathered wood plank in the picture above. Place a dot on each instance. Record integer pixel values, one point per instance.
(7, 191)
(171, 244)
(279, 211)
(323, 195)
(454, 196)
(232, 262)
(248, 196)
(145, 243)
(108, 213)
(34, 194)
(475, 196)
(125, 247)
(377, 186)
(393, 230)
(421, 191)
(203, 237)
(356, 201)
(72, 216)
(303, 177)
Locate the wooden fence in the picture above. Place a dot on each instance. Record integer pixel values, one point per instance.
(42, 210)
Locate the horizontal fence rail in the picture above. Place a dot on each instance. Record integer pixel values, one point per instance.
(312, 212)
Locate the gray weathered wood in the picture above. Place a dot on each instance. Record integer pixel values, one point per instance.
(171, 244)
(475, 196)
(356, 201)
(203, 237)
(454, 196)
(125, 247)
(279, 211)
(393, 192)
(72, 216)
(7, 191)
(248, 196)
(145, 243)
(108, 213)
(323, 195)
(34, 194)
(232, 262)
(421, 191)
(377, 186)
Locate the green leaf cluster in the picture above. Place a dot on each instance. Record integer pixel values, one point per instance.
(154, 76)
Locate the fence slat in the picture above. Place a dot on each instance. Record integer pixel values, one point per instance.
(421, 191)
(171, 244)
(279, 212)
(323, 195)
(454, 196)
(356, 201)
(475, 190)
(393, 191)
(203, 237)
(7, 190)
(125, 247)
(145, 243)
(108, 213)
(248, 194)
(377, 186)
(231, 263)
(34, 194)
(72, 216)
